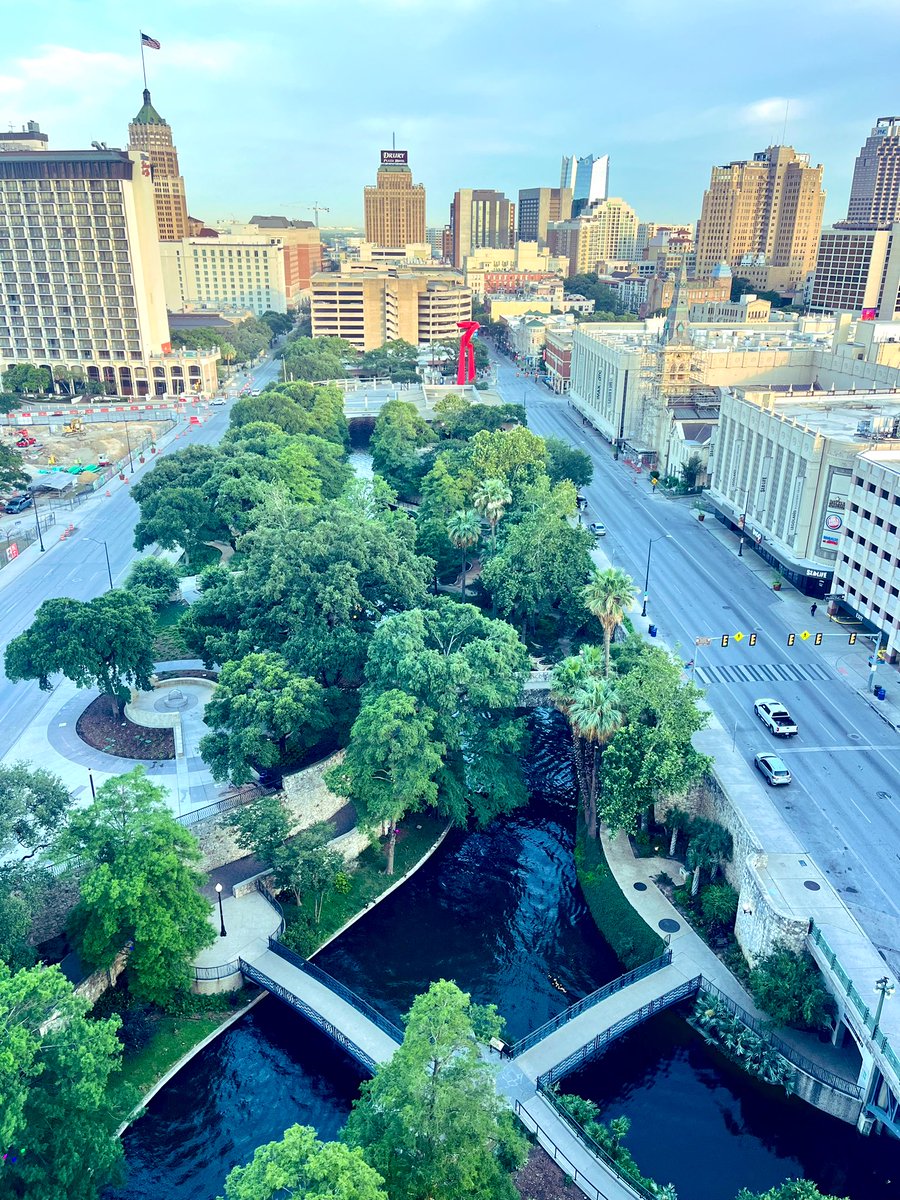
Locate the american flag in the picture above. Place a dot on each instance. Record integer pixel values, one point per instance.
(149, 42)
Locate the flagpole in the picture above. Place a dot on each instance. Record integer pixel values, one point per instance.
(143, 62)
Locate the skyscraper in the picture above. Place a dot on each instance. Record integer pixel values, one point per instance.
(875, 191)
(481, 217)
(395, 206)
(763, 218)
(588, 179)
(538, 206)
(606, 230)
(149, 133)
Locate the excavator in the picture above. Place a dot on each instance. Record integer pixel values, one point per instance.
(75, 425)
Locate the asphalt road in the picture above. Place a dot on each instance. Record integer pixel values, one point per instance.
(77, 566)
(844, 802)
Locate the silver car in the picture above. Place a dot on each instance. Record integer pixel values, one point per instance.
(772, 769)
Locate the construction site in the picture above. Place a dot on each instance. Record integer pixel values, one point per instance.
(80, 448)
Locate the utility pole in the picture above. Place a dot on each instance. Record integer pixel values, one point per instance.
(317, 208)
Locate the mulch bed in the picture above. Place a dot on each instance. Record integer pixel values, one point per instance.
(100, 729)
(542, 1179)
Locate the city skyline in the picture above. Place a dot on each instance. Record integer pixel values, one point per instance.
(480, 124)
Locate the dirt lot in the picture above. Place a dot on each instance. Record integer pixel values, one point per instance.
(95, 441)
(542, 1179)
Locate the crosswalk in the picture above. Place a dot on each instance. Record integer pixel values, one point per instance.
(783, 672)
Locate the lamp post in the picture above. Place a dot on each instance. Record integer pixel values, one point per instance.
(885, 990)
(221, 915)
(101, 542)
(128, 444)
(741, 547)
(662, 537)
(37, 524)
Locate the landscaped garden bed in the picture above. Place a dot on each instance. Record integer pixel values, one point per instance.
(103, 730)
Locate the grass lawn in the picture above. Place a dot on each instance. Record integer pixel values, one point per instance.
(167, 643)
(416, 837)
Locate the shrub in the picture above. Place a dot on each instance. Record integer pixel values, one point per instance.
(718, 904)
(343, 883)
(155, 579)
(788, 987)
(633, 941)
(136, 1029)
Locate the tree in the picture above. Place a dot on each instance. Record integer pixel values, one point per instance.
(105, 643)
(596, 717)
(12, 469)
(397, 359)
(278, 322)
(155, 580)
(389, 769)
(399, 436)
(449, 410)
(709, 846)
(517, 456)
(464, 530)
(26, 379)
(718, 903)
(791, 1189)
(788, 986)
(431, 1121)
(262, 716)
(303, 1167)
(57, 1122)
(140, 887)
(690, 470)
(491, 499)
(608, 596)
(566, 462)
(177, 510)
(33, 806)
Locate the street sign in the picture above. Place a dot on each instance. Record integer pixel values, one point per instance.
(804, 636)
(738, 637)
(835, 595)
(12, 551)
(703, 641)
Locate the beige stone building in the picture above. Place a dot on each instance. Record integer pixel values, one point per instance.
(512, 268)
(747, 310)
(149, 133)
(395, 206)
(480, 218)
(233, 270)
(605, 231)
(763, 218)
(369, 308)
(538, 207)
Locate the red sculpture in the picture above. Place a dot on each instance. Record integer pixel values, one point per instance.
(465, 372)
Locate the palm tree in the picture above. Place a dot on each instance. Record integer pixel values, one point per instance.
(464, 530)
(608, 596)
(709, 845)
(566, 679)
(492, 498)
(596, 717)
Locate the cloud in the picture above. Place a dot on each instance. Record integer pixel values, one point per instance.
(65, 66)
(211, 57)
(764, 112)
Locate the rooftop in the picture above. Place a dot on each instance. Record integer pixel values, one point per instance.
(853, 417)
(148, 114)
(888, 460)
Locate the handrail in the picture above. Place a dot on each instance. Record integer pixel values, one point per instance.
(596, 997)
(879, 1038)
(263, 888)
(357, 1002)
(578, 1177)
(220, 972)
(245, 795)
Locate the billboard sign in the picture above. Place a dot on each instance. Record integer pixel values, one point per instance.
(392, 157)
(868, 314)
(835, 516)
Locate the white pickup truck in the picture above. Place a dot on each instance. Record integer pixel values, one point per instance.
(776, 718)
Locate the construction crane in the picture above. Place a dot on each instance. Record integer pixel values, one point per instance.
(317, 208)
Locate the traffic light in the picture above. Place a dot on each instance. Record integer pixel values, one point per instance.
(791, 639)
(851, 641)
(751, 641)
(818, 639)
(724, 639)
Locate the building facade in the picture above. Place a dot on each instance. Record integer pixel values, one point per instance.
(858, 271)
(875, 191)
(395, 206)
(302, 253)
(82, 283)
(558, 358)
(369, 308)
(764, 214)
(586, 178)
(481, 218)
(748, 310)
(605, 231)
(230, 270)
(539, 206)
(151, 135)
(511, 269)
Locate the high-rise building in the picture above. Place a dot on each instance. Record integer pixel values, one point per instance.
(302, 253)
(875, 191)
(763, 218)
(234, 270)
(587, 178)
(82, 284)
(149, 133)
(607, 230)
(858, 271)
(434, 236)
(539, 206)
(481, 217)
(395, 206)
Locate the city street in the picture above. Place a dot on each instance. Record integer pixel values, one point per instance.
(76, 567)
(844, 802)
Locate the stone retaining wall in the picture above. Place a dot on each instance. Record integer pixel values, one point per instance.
(97, 983)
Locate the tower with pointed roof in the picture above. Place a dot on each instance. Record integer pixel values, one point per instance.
(152, 136)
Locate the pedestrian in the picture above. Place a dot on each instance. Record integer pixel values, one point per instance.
(812, 609)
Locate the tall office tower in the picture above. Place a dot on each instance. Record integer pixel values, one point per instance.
(763, 218)
(606, 230)
(537, 207)
(587, 178)
(149, 133)
(481, 217)
(875, 191)
(82, 283)
(395, 206)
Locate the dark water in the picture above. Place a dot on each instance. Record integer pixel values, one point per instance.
(270, 1070)
(700, 1122)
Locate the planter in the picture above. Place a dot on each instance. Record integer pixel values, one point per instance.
(776, 587)
(121, 474)
(142, 459)
(701, 516)
(152, 449)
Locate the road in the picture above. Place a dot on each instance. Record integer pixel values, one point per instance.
(76, 567)
(844, 802)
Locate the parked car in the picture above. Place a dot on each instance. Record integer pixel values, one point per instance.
(597, 528)
(17, 504)
(772, 769)
(218, 400)
(776, 718)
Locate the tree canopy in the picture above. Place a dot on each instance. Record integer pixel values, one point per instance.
(303, 1168)
(33, 806)
(12, 468)
(397, 440)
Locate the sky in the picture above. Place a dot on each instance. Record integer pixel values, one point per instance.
(279, 104)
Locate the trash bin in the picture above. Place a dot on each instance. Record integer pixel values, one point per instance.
(879, 692)
(652, 632)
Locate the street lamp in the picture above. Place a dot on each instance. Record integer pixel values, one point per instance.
(37, 522)
(101, 542)
(885, 990)
(128, 444)
(741, 547)
(662, 537)
(221, 916)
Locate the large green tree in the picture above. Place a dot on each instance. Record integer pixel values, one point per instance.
(608, 597)
(262, 716)
(431, 1122)
(397, 441)
(140, 887)
(300, 1167)
(33, 807)
(517, 456)
(155, 579)
(567, 462)
(57, 1121)
(26, 379)
(12, 469)
(105, 643)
